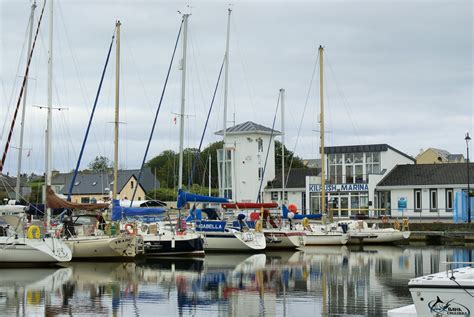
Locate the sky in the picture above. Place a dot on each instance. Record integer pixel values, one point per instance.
(395, 72)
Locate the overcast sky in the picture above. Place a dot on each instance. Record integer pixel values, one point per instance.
(396, 72)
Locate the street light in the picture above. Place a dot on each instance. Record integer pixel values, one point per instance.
(467, 139)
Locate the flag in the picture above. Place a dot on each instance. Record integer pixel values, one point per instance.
(174, 120)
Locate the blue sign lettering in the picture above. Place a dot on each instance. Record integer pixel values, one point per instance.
(316, 188)
(210, 225)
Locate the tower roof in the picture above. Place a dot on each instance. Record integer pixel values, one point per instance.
(249, 127)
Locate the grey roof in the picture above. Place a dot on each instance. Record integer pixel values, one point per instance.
(312, 163)
(455, 158)
(364, 148)
(441, 152)
(296, 178)
(249, 127)
(428, 174)
(95, 183)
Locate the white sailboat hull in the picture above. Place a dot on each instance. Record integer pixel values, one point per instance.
(96, 247)
(378, 236)
(329, 238)
(23, 250)
(234, 241)
(284, 239)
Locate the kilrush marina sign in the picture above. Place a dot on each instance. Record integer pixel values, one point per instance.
(315, 188)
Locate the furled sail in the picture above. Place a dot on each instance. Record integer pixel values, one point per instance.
(249, 205)
(119, 212)
(185, 197)
(53, 201)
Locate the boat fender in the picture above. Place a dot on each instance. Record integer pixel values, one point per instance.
(129, 228)
(34, 232)
(258, 226)
(306, 223)
(396, 225)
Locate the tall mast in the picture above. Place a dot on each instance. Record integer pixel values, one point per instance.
(20, 149)
(210, 166)
(117, 98)
(282, 96)
(321, 122)
(226, 86)
(49, 131)
(183, 101)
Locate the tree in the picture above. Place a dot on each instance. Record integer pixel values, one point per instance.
(100, 164)
(289, 155)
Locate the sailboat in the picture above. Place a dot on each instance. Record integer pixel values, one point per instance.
(94, 243)
(162, 238)
(20, 243)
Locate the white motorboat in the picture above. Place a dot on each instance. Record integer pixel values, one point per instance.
(442, 294)
(360, 232)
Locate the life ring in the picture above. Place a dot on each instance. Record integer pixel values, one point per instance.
(305, 223)
(384, 219)
(258, 226)
(34, 232)
(129, 228)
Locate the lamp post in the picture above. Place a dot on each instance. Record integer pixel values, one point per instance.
(467, 139)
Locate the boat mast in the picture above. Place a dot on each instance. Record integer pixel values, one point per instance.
(321, 123)
(20, 149)
(226, 85)
(183, 101)
(117, 95)
(282, 96)
(210, 166)
(49, 131)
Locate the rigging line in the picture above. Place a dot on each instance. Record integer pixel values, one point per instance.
(15, 81)
(25, 78)
(148, 103)
(157, 111)
(302, 117)
(244, 67)
(191, 36)
(73, 180)
(259, 196)
(82, 86)
(205, 125)
(344, 101)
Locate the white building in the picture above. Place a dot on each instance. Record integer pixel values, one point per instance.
(424, 190)
(352, 173)
(247, 145)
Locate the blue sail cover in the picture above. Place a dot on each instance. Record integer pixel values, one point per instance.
(119, 212)
(310, 216)
(185, 197)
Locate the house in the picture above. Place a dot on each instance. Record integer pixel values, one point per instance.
(424, 190)
(312, 163)
(92, 187)
(249, 161)
(8, 185)
(436, 156)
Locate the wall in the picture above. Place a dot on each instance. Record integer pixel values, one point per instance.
(247, 161)
(429, 157)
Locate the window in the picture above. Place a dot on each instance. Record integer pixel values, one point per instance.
(372, 162)
(139, 198)
(433, 200)
(449, 199)
(260, 144)
(303, 202)
(417, 200)
(274, 195)
(260, 173)
(359, 174)
(85, 200)
(131, 184)
(349, 174)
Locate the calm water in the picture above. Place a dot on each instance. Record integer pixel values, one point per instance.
(318, 281)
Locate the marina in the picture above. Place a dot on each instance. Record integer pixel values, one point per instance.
(236, 159)
(316, 281)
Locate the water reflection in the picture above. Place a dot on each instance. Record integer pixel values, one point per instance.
(316, 281)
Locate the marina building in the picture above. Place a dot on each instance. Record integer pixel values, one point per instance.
(425, 190)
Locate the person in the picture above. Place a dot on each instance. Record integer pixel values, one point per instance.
(101, 221)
